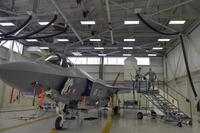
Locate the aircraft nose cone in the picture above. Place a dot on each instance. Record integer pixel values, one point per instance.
(18, 74)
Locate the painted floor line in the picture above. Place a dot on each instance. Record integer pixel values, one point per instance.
(108, 125)
(25, 124)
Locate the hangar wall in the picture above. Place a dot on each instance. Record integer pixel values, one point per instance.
(5, 90)
(111, 71)
(176, 72)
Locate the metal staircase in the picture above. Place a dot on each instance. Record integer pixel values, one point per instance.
(171, 112)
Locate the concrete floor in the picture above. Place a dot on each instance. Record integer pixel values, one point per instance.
(126, 123)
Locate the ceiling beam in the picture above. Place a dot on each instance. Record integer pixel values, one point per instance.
(66, 20)
(171, 7)
(109, 20)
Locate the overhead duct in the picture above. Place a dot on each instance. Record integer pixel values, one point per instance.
(19, 28)
(32, 33)
(48, 36)
(183, 49)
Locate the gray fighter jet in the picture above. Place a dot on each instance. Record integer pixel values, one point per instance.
(62, 81)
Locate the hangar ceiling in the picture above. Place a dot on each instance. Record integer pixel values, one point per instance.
(109, 17)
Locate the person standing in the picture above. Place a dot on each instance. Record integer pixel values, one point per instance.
(152, 78)
(138, 75)
(138, 78)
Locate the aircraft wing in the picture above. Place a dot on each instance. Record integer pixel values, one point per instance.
(121, 88)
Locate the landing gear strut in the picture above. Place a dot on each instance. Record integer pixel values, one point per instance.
(60, 119)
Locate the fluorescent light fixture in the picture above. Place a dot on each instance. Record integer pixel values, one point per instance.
(98, 47)
(129, 40)
(157, 48)
(44, 48)
(95, 40)
(88, 22)
(127, 47)
(127, 54)
(101, 54)
(63, 40)
(164, 40)
(7, 24)
(76, 53)
(152, 54)
(43, 23)
(131, 22)
(177, 22)
(31, 40)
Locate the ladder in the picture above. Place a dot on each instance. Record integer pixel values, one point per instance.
(171, 112)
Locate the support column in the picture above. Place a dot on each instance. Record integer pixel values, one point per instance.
(101, 68)
(33, 5)
(165, 77)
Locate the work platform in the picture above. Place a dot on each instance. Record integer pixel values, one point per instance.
(170, 112)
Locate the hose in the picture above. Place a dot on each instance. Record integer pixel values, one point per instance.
(32, 33)
(154, 29)
(183, 49)
(187, 66)
(48, 36)
(19, 28)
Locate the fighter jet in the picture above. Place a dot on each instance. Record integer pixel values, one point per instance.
(61, 80)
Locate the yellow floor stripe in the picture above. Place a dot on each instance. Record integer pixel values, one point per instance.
(108, 125)
(53, 131)
(25, 124)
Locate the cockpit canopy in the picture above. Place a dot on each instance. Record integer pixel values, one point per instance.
(57, 60)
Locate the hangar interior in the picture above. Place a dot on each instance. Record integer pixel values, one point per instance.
(104, 38)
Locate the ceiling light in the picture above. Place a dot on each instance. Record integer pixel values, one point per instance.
(43, 23)
(98, 47)
(63, 40)
(7, 24)
(95, 40)
(157, 48)
(31, 40)
(101, 54)
(177, 22)
(163, 40)
(127, 54)
(152, 54)
(44, 48)
(127, 47)
(76, 53)
(131, 22)
(88, 22)
(129, 40)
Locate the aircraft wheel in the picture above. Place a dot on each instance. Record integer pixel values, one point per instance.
(59, 123)
(140, 115)
(116, 110)
(153, 114)
(190, 122)
(179, 124)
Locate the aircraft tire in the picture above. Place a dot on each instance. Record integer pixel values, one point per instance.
(58, 124)
(116, 110)
(140, 115)
(153, 114)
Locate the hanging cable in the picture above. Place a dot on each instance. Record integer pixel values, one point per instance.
(187, 66)
(19, 28)
(154, 29)
(48, 36)
(183, 49)
(32, 33)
